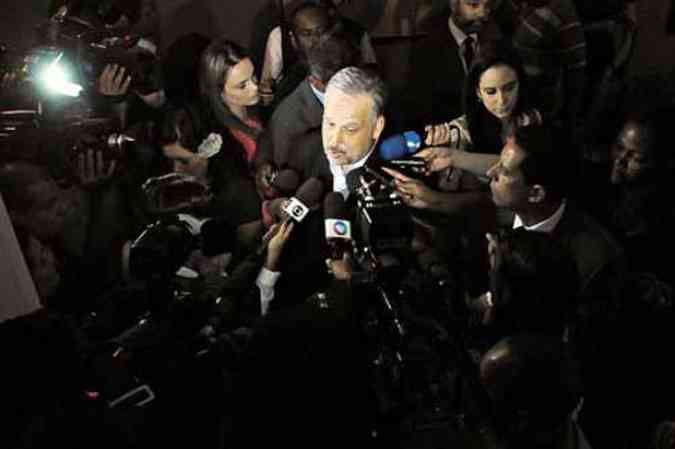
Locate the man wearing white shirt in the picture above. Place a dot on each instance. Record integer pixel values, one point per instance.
(528, 180)
(353, 121)
(441, 59)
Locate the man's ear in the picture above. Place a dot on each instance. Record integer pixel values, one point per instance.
(317, 83)
(379, 127)
(294, 41)
(536, 194)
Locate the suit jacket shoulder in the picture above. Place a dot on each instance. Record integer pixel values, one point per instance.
(295, 116)
(591, 244)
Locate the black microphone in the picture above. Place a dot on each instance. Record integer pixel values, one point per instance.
(307, 197)
(338, 228)
(353, 179)
(285, 182)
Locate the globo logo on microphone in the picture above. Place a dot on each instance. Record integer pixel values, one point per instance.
(338, 229)
(295, 209)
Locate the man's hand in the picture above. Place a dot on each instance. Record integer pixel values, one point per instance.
(113, 81)
(91, 168)
(437, 158)
(277, 243)
(414, 193)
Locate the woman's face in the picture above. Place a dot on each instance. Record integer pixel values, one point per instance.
(185, 161)
(241, 85)
(631, 158)
(498, 89)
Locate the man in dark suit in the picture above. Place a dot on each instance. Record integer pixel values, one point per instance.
(529, 180)
(300, 113)
(353, 121)
(440, 61)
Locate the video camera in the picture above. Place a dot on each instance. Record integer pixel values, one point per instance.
(72, 51)
(385, 225)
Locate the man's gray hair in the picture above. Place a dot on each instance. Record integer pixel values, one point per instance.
(356, 81)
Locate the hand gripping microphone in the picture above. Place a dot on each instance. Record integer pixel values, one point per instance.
(338, 228)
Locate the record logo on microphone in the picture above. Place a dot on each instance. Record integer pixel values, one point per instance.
(338, 229)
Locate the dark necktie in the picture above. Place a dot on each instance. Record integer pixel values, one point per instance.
(467, 52)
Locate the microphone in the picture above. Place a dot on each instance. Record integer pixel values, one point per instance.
(400, 145)
(353, 179)
(403, 145)
(284, 183)
(307, 197)
(338, 228)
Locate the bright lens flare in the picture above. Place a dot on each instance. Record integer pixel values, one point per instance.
(55, 79)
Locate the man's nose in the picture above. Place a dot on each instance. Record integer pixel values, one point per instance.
(500, 99)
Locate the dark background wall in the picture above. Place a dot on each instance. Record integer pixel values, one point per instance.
(655, 52)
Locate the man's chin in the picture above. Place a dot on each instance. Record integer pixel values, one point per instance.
(337, 159)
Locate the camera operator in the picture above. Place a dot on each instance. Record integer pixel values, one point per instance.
(88, 225)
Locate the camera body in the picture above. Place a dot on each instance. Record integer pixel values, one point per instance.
(413, 167)
(96, 134)
(383, 221)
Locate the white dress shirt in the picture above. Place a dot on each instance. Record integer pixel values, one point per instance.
(546, 226)
(340, 173)
(266, 281)
(460, 36)
(273, 64)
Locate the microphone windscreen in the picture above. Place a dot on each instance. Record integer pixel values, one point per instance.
(400, 145)
(218, 237)
(334, 207)
(286, 182)
(310, 192)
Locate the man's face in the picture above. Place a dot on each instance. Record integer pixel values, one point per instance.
(507, 184)
(631, 157)
(471, 15)
(349, 130)
(308, 27)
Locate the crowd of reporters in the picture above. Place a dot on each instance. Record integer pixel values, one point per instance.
(478, 258)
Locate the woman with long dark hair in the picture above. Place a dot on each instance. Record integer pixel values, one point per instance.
(215, 137)
(495, 100)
